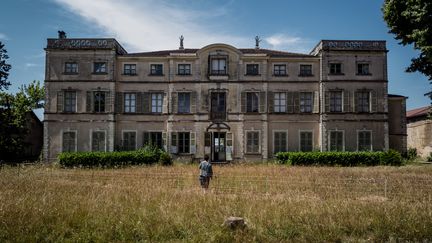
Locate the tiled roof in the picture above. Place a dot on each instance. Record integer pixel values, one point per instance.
(422, 111)
(272, 53)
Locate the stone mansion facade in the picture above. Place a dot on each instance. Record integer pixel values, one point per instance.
(228, 102)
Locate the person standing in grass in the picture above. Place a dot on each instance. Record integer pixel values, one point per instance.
(206, 172)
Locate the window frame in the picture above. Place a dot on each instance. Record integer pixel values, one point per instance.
(371, 140)
(274, 140)
(218, 72)
(129, 71)
(91, 140)
(332, 106)
(123, 139)
(364, 103)
(330, 136)
(303, 73)
(74, 101)
(151, 133)
(187, 108)
(158, 107)
(300, 140)
(99, 103)
(127, 102)
(103, 69)
(277, 103)
(259, 142)
(333, 70)
(254, 71)
(184, 71)
(75, 140)
(363, 73)
(306, 108)
(184, 144)
(278, 71)
(71, 69)
(250, 97)
(155, 71)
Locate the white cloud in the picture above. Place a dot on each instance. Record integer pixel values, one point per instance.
(3, 37)
(147, 25)
(288, 42)
(30, 65)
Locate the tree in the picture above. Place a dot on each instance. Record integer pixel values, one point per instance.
(4, 68)
(13, 111)
(411, 22)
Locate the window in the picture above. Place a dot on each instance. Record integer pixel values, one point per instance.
(130, 102)
(335, 68)
(69, 101)
(218, 66)
(335, 101)
(306, 141)
(305, 70)
(156, 102)
(252, 99)
(184, 69)
(252, 142)
(363, 69)
(69, 141)
(71, 68)
(153, 138)
(98, 141)
(129, 69)
(129, 140)
(99, 101)
(279, 70)
(183, 142)
(336, 141)
(252, 69)
(183, 102)
(156, 69)
(363, 103)
(279, 102)
(100, 67)
(364, 141)
(306, 99)
(280, 142)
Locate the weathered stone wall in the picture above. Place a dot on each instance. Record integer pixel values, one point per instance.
(420, 137)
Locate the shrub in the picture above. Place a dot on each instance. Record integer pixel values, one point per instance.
(165, 159)
(412, 153)
(146, 155)
(390, 157)
(429, 158)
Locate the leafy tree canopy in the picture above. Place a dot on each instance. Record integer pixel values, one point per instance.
(4, 68)
(411, 22)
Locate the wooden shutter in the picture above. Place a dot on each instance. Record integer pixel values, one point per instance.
(89, 101)
(146, 138)
(109, 101)
(204, 101)
(139, 102)
(60, 101)
(229, 146)
(243, 102)
(165, 103)
(146, 108)
(270, 100)
(193, 102)
(327, 101)
(207, 142)
(173, 147)
(119, 102)
(164, 141)
(174, 103)
(290, 102)
(192, 141)
(262, 102)
(316, 102)
(296, 100)
(374, 101)
(355, 101)
(346, 101)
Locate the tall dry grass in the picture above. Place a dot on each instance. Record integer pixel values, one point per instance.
(279, 203)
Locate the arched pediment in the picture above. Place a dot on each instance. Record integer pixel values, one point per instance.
(219, 47)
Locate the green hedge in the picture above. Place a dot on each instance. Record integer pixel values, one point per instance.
(390, 157)
(115, 159)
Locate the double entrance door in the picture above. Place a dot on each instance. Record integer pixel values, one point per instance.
(219, 146)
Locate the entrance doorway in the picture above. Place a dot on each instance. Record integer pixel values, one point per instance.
(219, 146)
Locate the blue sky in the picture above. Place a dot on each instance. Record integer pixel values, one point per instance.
(142, 25)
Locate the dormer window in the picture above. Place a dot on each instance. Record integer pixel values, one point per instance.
(218, 66)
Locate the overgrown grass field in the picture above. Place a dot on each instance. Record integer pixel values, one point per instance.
(156, 203)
